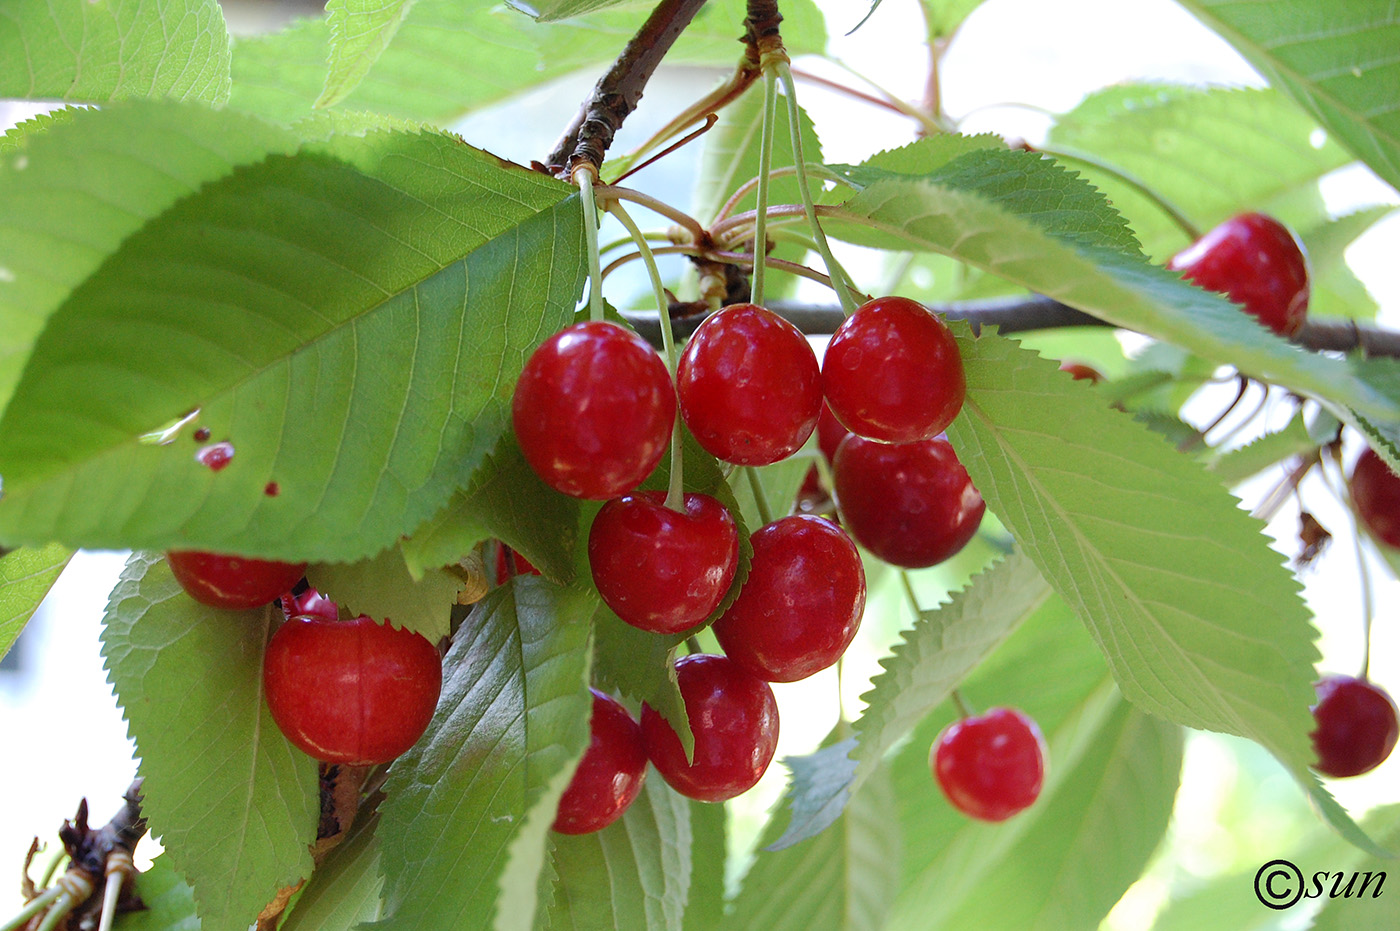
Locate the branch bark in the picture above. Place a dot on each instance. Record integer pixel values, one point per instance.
(1021, 315)
(618, 92)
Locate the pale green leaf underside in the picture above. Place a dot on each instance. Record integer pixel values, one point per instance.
(1198, 618)
(353, 327)
(360, 32)
(1338, 60)
(549, 10)
(930, 660)
(634, 873)
(1011, 214)
(26, 575)
(234, 803)
(99, 52)
(168, 900)
(383, 588)
(344, 890)
(1211, 153)
(508, 729)
(75, 187)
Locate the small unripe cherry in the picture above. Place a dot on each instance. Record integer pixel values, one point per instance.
(990, 766)
(609, 776)
(234, 583)
(893, 372)
(593, 410)
(354, 692)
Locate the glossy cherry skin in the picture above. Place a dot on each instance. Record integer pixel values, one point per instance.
(660, 569)
(1356, 726)
(310, 602)
(893, 372)
(749, 386)
(505, 558)
(801, 605)
(232, 582)
(1375, 493)
(1255, 261)
(353, 692)
(990, 766)
(830, 433)
(734, 718)
(911, 504)
(593, 410)
(609, 776)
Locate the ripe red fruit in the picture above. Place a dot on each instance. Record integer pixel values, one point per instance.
(353, 692)
(801, 605)
(990, 766)
(593, 410)
(734, 718)
(235, 583)
(1081, 372)
(830, 433)
(505, 559)
(911, 504)
(1375, 493)
(609, 776)
(1256, 261)
(660, 569)
(893, 372)
(1356, 726)
(749, 386)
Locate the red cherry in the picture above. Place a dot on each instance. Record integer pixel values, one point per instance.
(893, 372)
(1256, 261)
(232, 582)
(749, 386)
(734, 718)
(830, 432)
(609, 776)
(1356, 726)
(1081, 372)
(990, 766)
(1375, 493)
(593, 410)
(310, 602)
(659, 569)
(353, 692)
(801, 605)
(911, 504)
(505, 558)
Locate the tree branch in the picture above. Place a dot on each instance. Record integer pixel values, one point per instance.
(618, 92)
(1021, 315)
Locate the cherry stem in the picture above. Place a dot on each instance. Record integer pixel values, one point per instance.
(1198, 437)
(1271, 502)
(760, 497)
(584, 177)
(909, 593)
(928, 124)
(111, 895)
(62, 906)
(838, 275)
(52, 868)
(1367, 605)
(765, 163)
(680, 217)
(964, 710)
(747, 188)
(31, 908)
(675, 490)
(1192, 231)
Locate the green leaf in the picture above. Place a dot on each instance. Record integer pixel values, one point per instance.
(845, 878)
(704, 907)
(352, 319)
(345, 889)
(360, 32)
(634, 873)
(506, 500)
(382, 587)
(1198, 618)
(1236, 465)
(546, 11)
(945, 16)
(100, 52)
(1336, 291)
(1336, 60)
(933, 656)
(1113, 775)
(168, 900)
(511, 724)
(731, 156)
(26, 575)
(61, 215)
(234, 803)
(642, 666)
(1212, 153)
(1030, 222)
